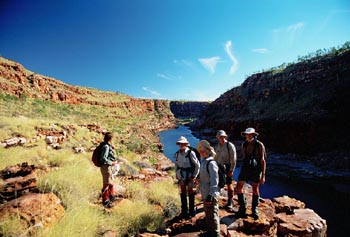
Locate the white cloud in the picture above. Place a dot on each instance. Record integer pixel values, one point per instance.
(295, 27)
(152, 92)
(168, 76)
(228, 49)
(209, 63)
(183, 62)
(286, 36)
(261, 50)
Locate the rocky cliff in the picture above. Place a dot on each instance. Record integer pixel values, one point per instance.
(188, 109)
(301, 108)
(18, 81)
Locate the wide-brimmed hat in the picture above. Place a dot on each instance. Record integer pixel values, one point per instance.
(249, 131)
(221, 133)
(182, 140)
(205, 145)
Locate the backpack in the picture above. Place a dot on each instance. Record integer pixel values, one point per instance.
(96, 155)
(221, 173)
(195, 151)
(251, 160)
(193, 167)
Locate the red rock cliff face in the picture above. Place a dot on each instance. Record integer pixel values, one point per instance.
(300, 109)
(18, 81)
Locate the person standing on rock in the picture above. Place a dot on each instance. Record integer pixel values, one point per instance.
(210, 191)
(187, 169)
(107, 159)
(226, 155)
(253, 169)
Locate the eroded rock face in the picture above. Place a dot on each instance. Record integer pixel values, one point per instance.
(22, 83)
(35, 208)
(295, 110)
(19, 197)
(187, 109)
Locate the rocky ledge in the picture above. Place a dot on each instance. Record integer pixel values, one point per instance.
(281, 216)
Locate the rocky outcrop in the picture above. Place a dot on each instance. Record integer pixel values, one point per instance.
(299, 109)
(282, 216)
(36, 210)
(188, 109)
(19, 199)
(17, 81)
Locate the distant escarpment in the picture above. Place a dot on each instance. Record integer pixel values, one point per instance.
(188, 109)
(300, 108)
(22, 83)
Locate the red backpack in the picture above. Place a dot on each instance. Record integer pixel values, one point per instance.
(96, 154)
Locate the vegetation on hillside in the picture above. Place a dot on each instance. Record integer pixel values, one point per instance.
(73, 178)
(310, 57)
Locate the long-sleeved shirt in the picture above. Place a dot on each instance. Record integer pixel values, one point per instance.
(107, 154)
(209, 181)
(226, 155)
(183, 164)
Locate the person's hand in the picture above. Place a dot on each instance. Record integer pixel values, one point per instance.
(262, 180)
(230, 174)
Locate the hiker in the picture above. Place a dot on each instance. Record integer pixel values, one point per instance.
(107, 160)
(210, 191)
(187, 169)
(253, 169)
(226, 155)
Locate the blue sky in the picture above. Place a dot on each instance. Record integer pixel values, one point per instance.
(166, 49)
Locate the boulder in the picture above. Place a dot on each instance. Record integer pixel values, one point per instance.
(13, 187)
(35, 209)
(304, 222)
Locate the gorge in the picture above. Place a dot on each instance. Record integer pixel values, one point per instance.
(298, 109)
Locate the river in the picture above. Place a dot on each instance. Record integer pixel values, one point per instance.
(321, 201)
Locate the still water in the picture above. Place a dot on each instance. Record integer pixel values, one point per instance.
(321, 201)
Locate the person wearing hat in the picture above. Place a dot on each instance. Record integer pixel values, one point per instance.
(209, 180)
(253, 169)
(187, 169)
(226, 155)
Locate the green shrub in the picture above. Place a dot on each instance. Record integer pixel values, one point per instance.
(12, 226)
(132, 216)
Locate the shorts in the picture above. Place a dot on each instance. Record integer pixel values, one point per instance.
(247, 174)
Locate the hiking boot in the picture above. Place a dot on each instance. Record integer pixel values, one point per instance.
(184, 208)
(184, 215)
(107, 204)
(192, 213)
(255, 202)
(242, 206)
(229, 204)
(113, 198)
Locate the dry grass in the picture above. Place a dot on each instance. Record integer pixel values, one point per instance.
(73, 178)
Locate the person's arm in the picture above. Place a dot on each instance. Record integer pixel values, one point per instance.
(195, 161)
(177, 170)
(233, 157)
(214, 178)
(263, 164)
(104, 155)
